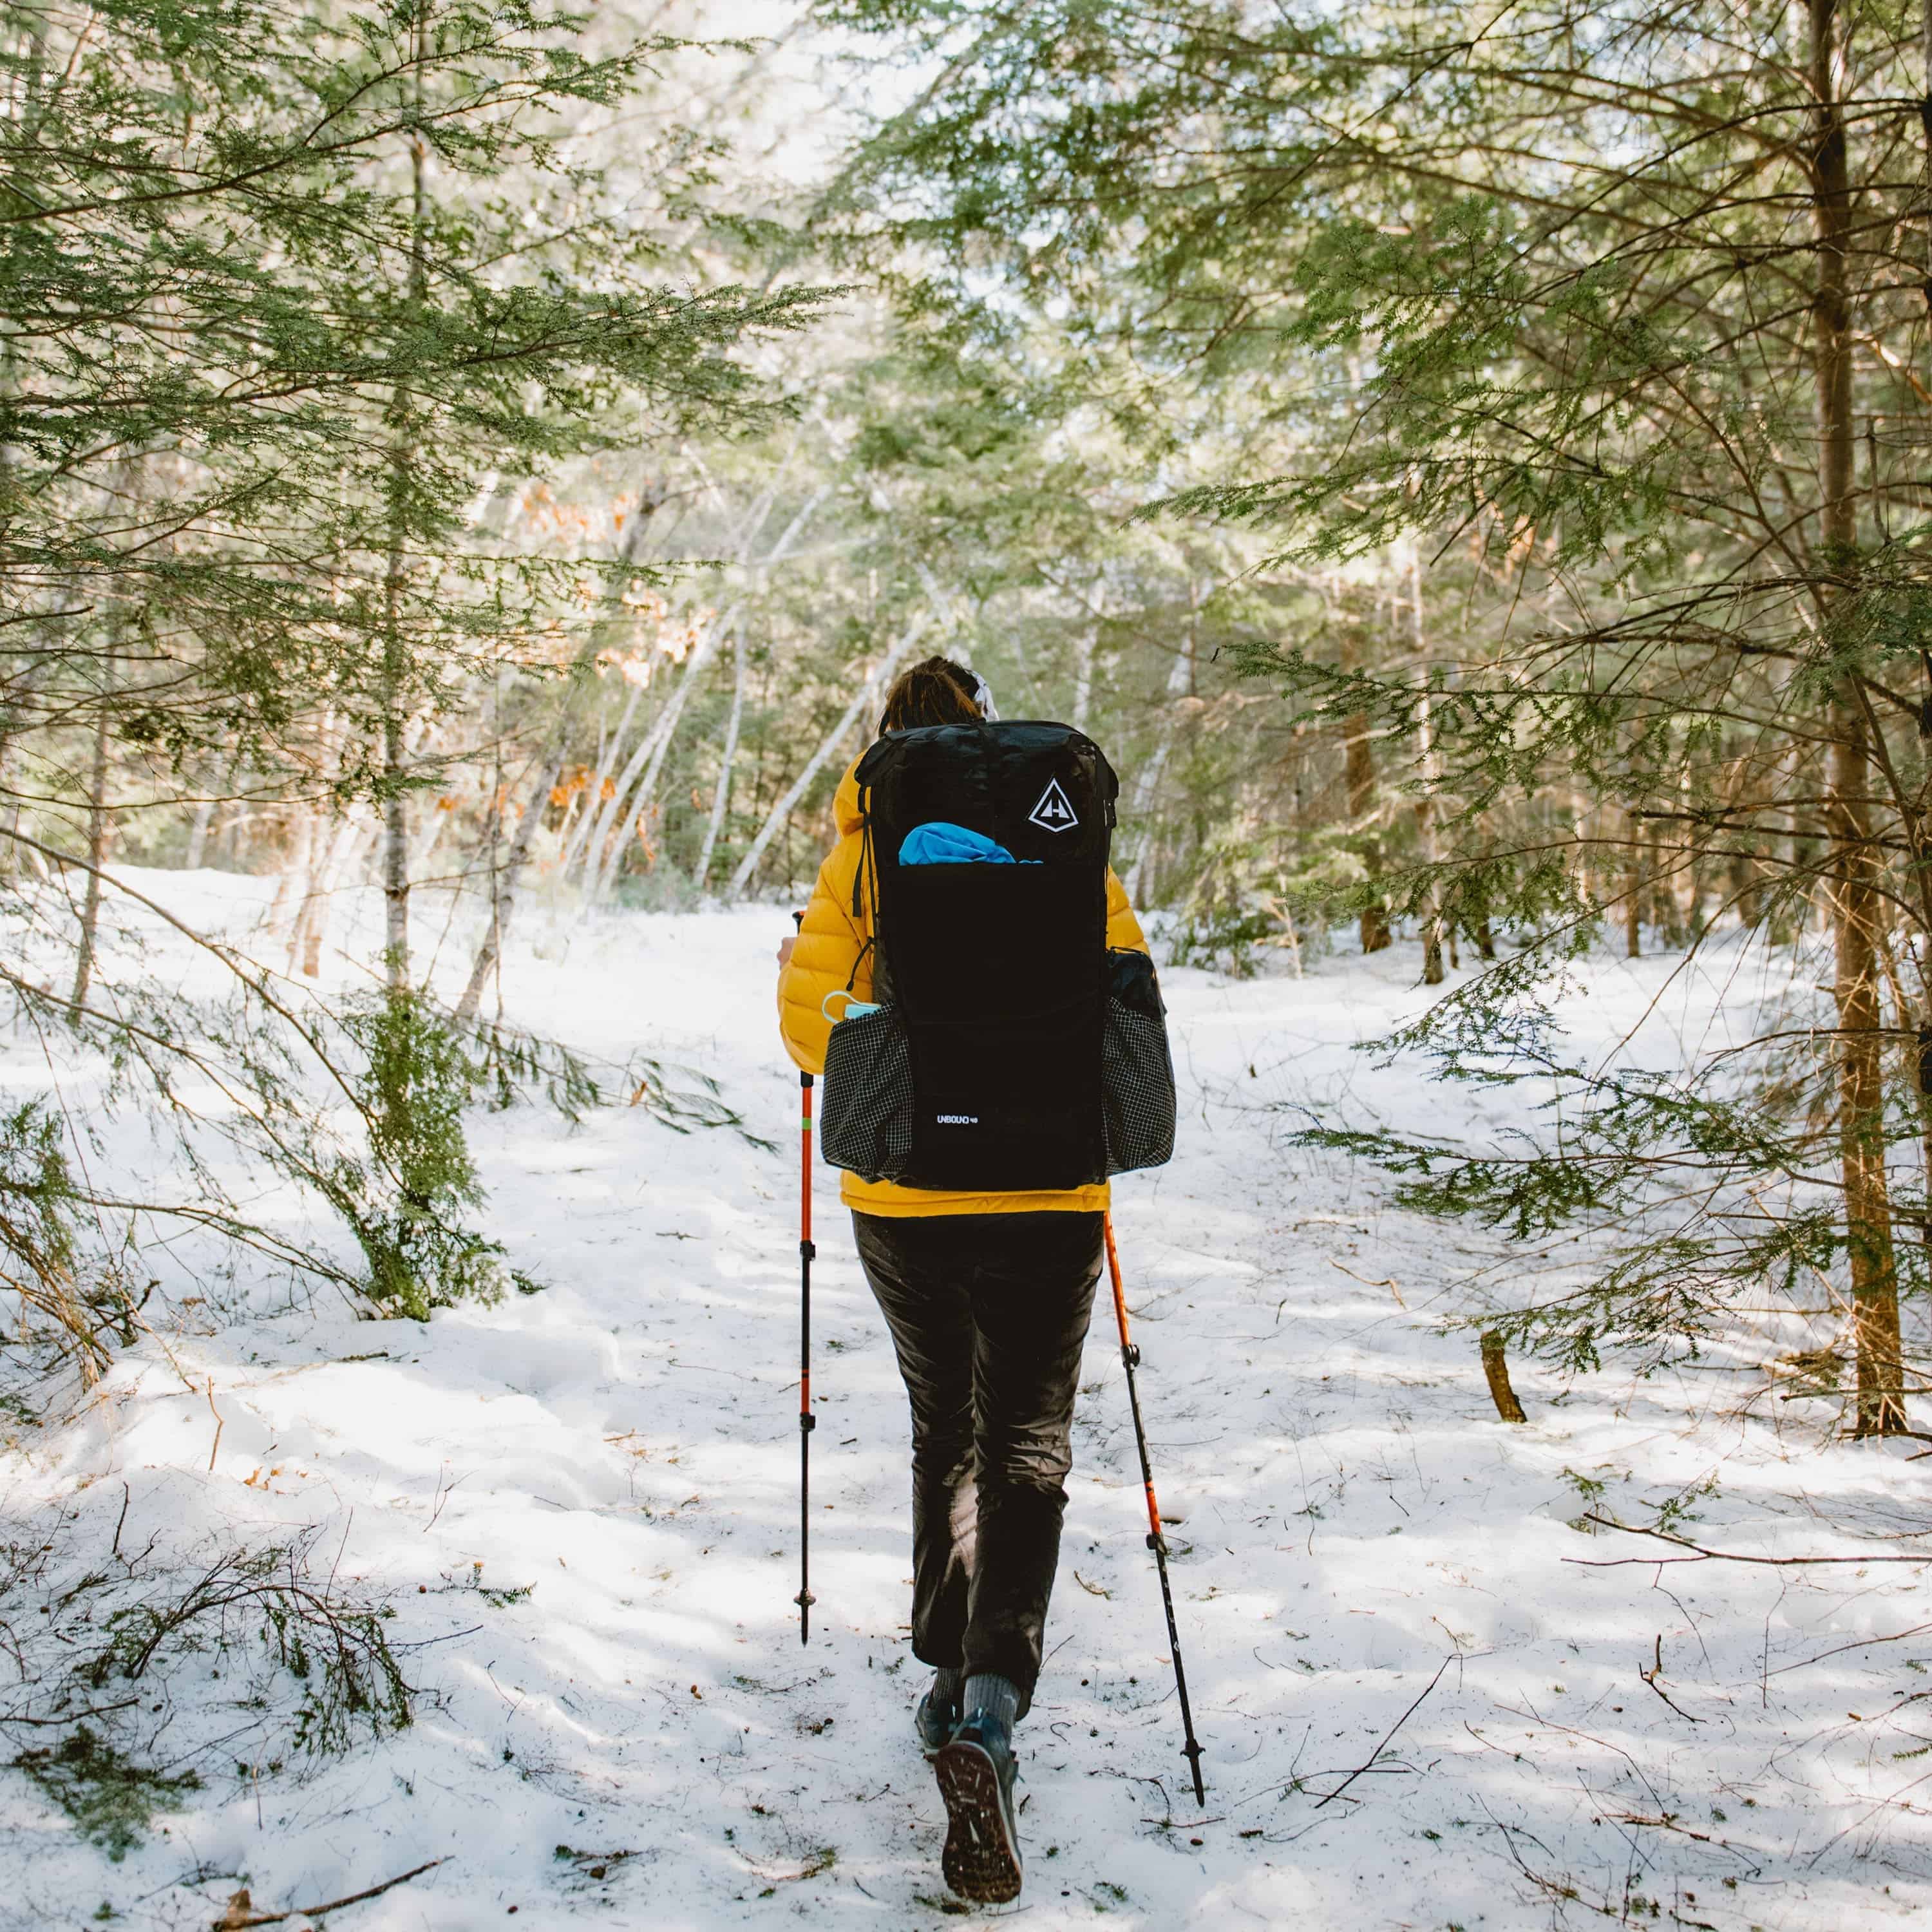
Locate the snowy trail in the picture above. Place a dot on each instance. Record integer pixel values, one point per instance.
(583, 1503)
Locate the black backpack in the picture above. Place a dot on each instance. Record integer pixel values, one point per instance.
(1010, 1050)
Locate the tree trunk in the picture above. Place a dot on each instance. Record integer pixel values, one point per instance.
(1425, 825)
(1083, 674)
(297, 884)
(394, 692)
(98, 825)
(425, 846)
(601, 866)
(204, 812)
(606, 817)
(1690, 889)
(1636, 882)
(601, 877)
(1146, 786)
(1868, 1232)
(1358, 772)
(780, 814)
(1425, 808)
(720, 800)
(286, 876)
(593, 814)
(1854, 869)
(1634, 889)
(344, 849)
(503, 888)
(395, 810)
(1747, 888)
(1359, 779)
(1496, 1372)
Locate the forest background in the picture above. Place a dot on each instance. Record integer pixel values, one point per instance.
(1466, 465)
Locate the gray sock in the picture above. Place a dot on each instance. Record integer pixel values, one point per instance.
(947, 1685)
(997, 1696)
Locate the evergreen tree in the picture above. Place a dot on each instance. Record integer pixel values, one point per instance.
(290, 298)
(1623, 307)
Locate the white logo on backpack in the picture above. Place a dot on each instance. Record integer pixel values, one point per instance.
(1054, 813)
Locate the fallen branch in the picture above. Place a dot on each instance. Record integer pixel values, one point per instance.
(1393, 1729)
(1365, 1281)
(239, 1915)
(67, 1717)
(1667, 1822)
(1700, 1555)
(1863, 1643)
(1650, 1676)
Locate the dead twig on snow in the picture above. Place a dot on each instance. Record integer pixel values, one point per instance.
(1390, 1732)
(1656, 1671)
(1701, 1555)
(240, 1915)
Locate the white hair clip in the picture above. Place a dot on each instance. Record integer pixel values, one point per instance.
(982, 696)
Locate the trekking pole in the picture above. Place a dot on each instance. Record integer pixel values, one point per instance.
(807, 1422)
(1130, 1355)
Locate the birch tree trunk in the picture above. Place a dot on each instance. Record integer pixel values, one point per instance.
(606, 817)
(657, 743)
(594, 799)
(503, 893)
(1146, 786)
(612, 615)
(425, 846)
(345, 851)
(197, 835)
(204, 812)
(868, 694)
(293, 874)
(721, 799)
(1083, 674)
(297, 884)
(395, 664)
(313, 836)
(600, 874)
(1855, 898)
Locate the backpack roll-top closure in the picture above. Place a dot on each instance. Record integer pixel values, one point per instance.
(1044, 791)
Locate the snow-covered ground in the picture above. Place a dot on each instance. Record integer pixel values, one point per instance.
(582, 1506)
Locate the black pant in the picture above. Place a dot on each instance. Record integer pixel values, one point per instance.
(988, 1313)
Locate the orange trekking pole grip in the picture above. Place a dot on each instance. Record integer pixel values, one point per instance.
(1130, 1357)
(807, 1422)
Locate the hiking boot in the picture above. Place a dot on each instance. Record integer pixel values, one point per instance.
(936, 1718)
(975, 1770)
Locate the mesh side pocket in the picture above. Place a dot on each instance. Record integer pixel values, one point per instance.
(1139, 1103)
(864, 1123)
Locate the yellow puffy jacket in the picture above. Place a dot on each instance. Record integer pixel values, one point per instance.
(831, 953)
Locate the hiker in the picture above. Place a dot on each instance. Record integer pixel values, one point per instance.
(987, 1293)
